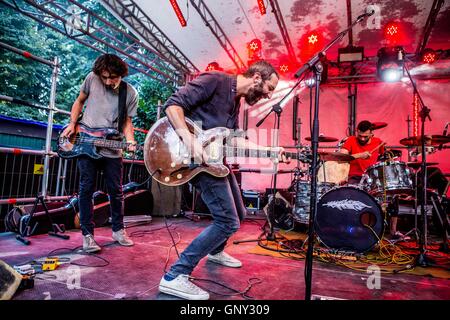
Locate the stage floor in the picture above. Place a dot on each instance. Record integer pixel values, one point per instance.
(134, 272)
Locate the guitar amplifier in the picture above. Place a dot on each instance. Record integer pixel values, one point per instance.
(252, 200)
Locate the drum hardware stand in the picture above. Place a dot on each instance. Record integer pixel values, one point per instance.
(422, 260)
(26, 230)
(315, 65)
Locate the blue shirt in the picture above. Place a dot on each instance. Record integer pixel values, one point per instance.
(211, 99)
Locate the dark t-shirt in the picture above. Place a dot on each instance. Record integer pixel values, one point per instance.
(210, 99)
(359, 166)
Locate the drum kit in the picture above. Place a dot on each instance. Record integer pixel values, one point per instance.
(350, 217)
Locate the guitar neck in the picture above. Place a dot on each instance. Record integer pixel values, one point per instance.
(255, 153)
(112, 144)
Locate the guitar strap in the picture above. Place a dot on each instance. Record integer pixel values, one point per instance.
(122, 105)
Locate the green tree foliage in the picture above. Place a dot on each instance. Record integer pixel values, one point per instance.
(29, 80)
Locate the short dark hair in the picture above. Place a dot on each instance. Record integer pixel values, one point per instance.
(365, 125)
(111, 63)
(263, 67)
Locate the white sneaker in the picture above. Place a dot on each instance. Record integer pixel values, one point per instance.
(225, 259)
(183, 288)
(122, 237)
(89, 244)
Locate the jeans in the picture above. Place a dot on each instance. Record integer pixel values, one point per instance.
(112, 169)
(224, 201)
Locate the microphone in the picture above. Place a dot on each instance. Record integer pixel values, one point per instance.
(366, 14)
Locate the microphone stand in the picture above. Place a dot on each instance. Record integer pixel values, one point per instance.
(277, 109)
(316, 66)
(421, 259)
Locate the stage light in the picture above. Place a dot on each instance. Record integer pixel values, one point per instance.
(284, 68)
(213, 66)
(428, 56)
(254, 49)
(391, 29)
(178, 12)
(262, 7)
(310, 82)
(255, 45)
(350, 54)
(390, 64)
(313, 38)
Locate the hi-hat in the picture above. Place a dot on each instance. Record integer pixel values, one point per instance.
(323, 139)
(430, 140)
(378, 125)
(417, 165)
(335, 156)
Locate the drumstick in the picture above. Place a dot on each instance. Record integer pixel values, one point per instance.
(379, 146)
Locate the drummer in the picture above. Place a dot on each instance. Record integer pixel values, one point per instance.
(366, 149)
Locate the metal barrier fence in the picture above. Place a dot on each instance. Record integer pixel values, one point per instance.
(21, 174)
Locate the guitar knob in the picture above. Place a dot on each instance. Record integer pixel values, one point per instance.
(173, 164)
(185, 161)
(179, 176)
(166, 179)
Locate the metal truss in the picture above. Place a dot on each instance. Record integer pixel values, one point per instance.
(80, 23)
(217, 31)
(149, 33)
(280, 21)
(437, 4)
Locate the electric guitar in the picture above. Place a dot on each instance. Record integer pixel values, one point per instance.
(86, 141)
(169, 162)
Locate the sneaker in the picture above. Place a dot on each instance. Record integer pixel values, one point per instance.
(225, 259)
(122, 237)
(89, 244)
(400, 236)
(183, 288)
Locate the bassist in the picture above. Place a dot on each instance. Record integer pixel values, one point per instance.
(110, 103)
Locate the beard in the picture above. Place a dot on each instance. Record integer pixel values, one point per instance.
(254, 94)
(363, 142)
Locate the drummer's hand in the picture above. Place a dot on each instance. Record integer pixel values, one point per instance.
(363, 155)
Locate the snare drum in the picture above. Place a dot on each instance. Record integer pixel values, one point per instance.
(333, 172)
(390, 177)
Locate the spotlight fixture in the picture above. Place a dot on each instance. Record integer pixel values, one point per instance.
(428, 56)
(350, 54)
(390, 64)
(213, 66)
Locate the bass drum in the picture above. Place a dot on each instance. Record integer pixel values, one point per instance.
(349, 219)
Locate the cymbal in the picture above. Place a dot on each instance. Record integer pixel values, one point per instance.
(323, 139)
(335, 156)
(417, 165)
(378, 125)
(430, 140)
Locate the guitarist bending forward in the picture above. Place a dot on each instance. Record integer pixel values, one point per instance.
(213, 100)
(100, 92)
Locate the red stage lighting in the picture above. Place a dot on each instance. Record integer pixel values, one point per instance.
(428, 56)
(313, 39)
(254, 45)
(415, 115)
(391, 29)
(178, 12)
(284, 68)
(262, 7)
(213, 66)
